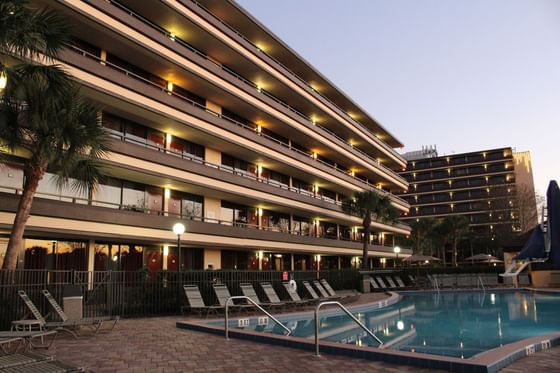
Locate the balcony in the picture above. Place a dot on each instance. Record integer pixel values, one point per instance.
(77, 209)
(143, 85)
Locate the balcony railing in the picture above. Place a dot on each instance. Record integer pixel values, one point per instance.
(255, 87)
(230, 120)
(221, 167)
(140, 208)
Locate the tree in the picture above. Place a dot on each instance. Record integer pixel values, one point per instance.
(527, 203)
(422, 235)
(42, 116)
(369, 206)
(455, 228)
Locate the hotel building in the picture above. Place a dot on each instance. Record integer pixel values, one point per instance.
(492, 188)
(216, 123)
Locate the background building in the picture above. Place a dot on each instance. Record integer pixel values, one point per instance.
(492, 188)
(216, 123)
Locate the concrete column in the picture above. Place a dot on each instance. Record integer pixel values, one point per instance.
(103, 57)
(339, 262)
(212, 156)
(215, 108)
(165, 257)
(166, 195)
(90, 262)
(292, 262)
(212, 209)
(212, 257)
(260, 254)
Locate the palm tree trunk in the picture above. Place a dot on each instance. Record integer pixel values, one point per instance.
(366, 248)
(33, 176)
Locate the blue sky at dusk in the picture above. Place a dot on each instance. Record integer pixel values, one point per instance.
(465, 76)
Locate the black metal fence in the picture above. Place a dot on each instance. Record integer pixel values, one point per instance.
(141, 293)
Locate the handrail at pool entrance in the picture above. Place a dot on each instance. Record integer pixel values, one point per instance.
(481, 283)
(349, 314)
(226, 318)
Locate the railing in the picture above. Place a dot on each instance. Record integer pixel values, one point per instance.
(221, 167)
(317, 325)
(481, 283)
(259, 89)
(237, 123)
(226, 316)
(345, 114)
(142, 293)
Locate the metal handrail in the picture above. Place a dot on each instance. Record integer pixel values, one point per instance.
(435, 284)
(226, 316)
(349, 314)
(481, 283)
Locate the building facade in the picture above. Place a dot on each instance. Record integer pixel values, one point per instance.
(216, 123)
(492, 188)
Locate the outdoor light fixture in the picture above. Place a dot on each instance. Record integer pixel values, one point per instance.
(179, 229)
(3, 78)
(396, 250)
(400, 325)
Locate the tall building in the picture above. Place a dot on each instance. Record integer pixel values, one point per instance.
(492, 188)
(217, 123)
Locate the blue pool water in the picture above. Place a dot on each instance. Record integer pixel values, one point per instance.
(460, 324)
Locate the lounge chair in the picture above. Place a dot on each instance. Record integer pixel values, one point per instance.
(19, 359)
(6, 343)
(28, 337)
(380, 282)
(95, 322)
(42, 366)
(328, 287)
(223, 294)
(310, 290)
(64, 325)
(248, 290)
(322, 291)
(390, 282)
(400, 282)
(196, 302)
(294, 296)
(373, 284)
(271, 294)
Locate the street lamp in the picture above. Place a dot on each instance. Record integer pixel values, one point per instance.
(396, 250)
(179, 229)
(3, 77)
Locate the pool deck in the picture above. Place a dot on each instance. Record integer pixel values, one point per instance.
(157, 345)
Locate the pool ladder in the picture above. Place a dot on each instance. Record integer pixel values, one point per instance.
(349, 314)
(481, 283)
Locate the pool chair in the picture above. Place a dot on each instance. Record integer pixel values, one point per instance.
(21, 359)
(223, 294)
(328, 287)
(7, 343)
(273, 298)
(28, 338)
(294, 296)
(24, 363)
(321, 289)
(94, 322)
(196, 302)
(374, 284)
(380, 282)
(400, 282)
(310, 290)
(249, 291)
(390, 282)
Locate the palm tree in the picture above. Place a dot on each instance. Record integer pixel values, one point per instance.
(369, 206)
(422, 232)
(43, 117)
(455, 227)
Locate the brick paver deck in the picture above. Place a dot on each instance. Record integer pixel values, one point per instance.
(156, 345)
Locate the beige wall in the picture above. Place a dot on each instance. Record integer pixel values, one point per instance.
(213, 257)
(3, 247)
(214, 107)
(545, 279)
(212, 208)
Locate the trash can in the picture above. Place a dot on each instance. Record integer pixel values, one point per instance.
(72, 302)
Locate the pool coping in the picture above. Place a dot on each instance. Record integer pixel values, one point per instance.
(487, 362)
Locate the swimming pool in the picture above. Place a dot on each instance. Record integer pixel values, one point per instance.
(460, 324)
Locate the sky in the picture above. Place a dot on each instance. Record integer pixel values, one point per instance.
(463, 75)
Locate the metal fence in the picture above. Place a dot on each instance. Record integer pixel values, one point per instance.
(140, 293)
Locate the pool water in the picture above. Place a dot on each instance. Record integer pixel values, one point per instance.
(460, 324)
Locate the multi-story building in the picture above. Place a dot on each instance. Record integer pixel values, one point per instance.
(492, 188)
(217, 123)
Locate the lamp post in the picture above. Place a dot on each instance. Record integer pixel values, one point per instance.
(396, 250)
(3, 77)
(179, 229)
